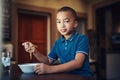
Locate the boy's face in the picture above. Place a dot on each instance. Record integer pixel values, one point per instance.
(66, 23)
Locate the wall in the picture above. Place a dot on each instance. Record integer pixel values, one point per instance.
(0, 38)
(1, 16)
(78, 5)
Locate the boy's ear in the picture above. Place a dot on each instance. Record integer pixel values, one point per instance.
(76, 24)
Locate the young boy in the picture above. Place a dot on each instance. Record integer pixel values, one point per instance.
(71, 48)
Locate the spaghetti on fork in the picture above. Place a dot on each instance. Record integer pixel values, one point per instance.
(29, 47)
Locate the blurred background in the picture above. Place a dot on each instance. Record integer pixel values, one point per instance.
(35, 21)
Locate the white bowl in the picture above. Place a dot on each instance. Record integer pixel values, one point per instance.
(28, 67)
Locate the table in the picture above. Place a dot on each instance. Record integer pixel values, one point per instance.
(16, 74)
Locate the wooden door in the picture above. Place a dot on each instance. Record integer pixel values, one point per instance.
(31, 28)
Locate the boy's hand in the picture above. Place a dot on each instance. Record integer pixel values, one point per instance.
(42, 68)
(29, 47)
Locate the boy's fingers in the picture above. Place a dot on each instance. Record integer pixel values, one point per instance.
(29, 47)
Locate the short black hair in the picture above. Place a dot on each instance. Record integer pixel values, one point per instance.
(66, 8)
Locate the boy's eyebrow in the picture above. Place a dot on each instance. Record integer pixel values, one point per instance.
(67, 18)
(64, 19)
(57, 19)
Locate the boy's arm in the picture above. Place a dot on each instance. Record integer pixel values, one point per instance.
(42, 58)
(32, 49)
(69, 66)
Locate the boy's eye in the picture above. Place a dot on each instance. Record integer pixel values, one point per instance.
(58, 21)
(67, 21)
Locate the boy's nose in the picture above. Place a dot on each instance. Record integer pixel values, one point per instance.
(62, 25)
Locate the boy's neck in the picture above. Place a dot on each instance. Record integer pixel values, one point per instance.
(67, 36)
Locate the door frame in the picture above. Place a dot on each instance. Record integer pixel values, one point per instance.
(97, 6)
(51, 31)
(93, 12)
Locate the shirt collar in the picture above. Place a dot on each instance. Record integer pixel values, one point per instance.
(70, 38)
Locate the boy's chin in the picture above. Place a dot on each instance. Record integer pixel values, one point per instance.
(66, 33)
(63, 33)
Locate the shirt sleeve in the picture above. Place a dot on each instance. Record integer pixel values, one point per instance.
(83, 45)
(53, 55)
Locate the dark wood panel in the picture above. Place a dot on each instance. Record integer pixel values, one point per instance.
(31, 28)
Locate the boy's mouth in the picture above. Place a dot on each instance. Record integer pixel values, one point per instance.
(63, 30)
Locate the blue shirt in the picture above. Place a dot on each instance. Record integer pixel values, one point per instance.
(66, 50)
